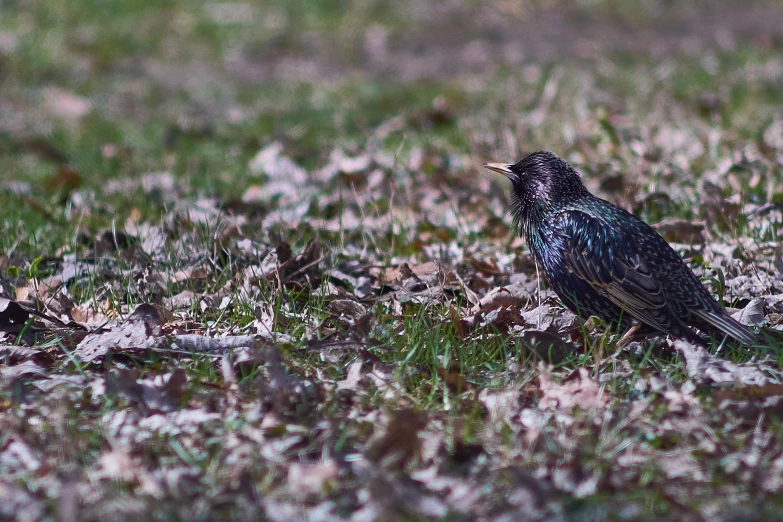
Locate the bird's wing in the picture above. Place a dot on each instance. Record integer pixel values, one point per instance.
(608, 261)
(726, 324)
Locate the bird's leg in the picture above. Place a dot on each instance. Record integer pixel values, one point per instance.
(628, 335)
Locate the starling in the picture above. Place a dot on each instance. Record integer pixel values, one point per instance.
(604, 261)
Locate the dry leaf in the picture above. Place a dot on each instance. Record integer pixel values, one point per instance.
(517, 294)
(581, 391)
(405, 271)
(456, 382)
(347, 307)
(11, 312)
(682, 231)
(19, 505)
(140, 332)
(549, 347)
(502, 405)
(753, 313)
(353, 378)
(705, 368)
(397, 443)
(115, 464)
(311, 479)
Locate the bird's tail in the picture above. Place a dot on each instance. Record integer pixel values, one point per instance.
(729, 326)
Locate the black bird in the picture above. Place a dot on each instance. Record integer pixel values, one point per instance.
(604, 261)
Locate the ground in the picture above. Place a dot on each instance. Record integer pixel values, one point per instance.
(252, 267)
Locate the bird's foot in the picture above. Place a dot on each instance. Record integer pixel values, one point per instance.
(628, 335)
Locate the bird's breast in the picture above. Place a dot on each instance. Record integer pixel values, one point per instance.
(548, 246)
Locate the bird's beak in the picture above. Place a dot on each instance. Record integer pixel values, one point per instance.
(501, 168)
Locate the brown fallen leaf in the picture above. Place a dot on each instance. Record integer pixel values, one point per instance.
(397, 443)
(17, 454)
(115, 464)
(160, 393)
(90, 315)
(17, 504)
(517, 294)
(175, 387)
(10, 373)
(717, 210)
(763, 391)
(461, 326)
(753, 313)
(682, 231)
(456, 382)
(354, 377)
(502, 405)
(705, 368)
(11, 354)
(45, 296)
(549, 347)
(405, 271)
(347, 307)
(303, 267)
(182, 300)
(125, 383)
(277, 384)
(487, 267)
(581, 391)
(140, 332)
(311, 479)
(11, 312)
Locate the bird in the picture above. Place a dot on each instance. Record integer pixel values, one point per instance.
(602, 260)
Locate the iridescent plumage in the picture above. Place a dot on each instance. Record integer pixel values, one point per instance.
(604, 261)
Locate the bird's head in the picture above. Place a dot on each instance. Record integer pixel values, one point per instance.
(540, 182)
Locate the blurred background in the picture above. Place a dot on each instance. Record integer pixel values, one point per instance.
(275, 104)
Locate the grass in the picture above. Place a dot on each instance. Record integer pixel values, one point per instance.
(178, 88)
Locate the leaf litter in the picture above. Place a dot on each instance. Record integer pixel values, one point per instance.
(365, 340)
(280, 400)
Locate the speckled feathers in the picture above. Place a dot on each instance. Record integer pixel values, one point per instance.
(604, 261)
